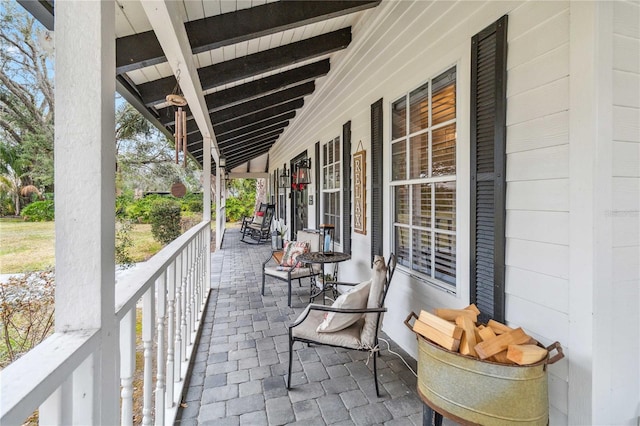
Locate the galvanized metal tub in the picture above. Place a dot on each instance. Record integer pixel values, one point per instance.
(472, 391)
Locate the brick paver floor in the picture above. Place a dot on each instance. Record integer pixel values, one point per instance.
(238, 377)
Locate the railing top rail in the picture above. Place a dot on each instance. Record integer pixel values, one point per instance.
(131, 287)
(27, 382)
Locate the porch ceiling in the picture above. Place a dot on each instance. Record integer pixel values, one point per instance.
(255, 62)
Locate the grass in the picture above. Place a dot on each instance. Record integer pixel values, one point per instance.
(30, 246)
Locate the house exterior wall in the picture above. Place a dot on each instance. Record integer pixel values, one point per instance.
(397, 47)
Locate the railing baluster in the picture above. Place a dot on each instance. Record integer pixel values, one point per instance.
(83, 391)
(171, 331)
(160, 365)
(127, 365)
(148, 317)
(56, 410)
(189, 297)
(183, 313)
(178, 319)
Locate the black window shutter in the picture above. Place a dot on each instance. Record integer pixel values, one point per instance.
(346, 187)
(376, 179)
(318, 183)
(488, 167)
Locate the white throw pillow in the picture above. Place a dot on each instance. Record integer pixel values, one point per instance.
(354, 299)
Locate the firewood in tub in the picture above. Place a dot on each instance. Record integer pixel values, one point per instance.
(485, 333)
(425, 330)
(500, 343)
(498, 327)
(468, 341)
(473, 308)
(452, 314)
(526, 354)
(443, 326)
(501, 357)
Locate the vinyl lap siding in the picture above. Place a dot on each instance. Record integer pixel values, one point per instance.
(625, 213)
(537, 239)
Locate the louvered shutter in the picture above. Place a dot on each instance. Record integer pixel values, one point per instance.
(376, 179)
(488, 166)
(346, 187)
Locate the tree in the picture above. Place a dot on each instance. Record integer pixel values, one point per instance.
(26, 95)
(12, 171)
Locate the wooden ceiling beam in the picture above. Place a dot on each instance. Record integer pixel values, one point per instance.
(254, 89)
(249, 156)
(256, 117)
(256, 126)
(215, 75)
(141, 50)
(280, 125)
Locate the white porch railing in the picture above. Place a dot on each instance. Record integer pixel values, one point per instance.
(57, 377)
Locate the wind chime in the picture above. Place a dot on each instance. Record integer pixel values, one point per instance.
(176, 99)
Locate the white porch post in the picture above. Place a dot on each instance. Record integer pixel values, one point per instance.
(85, 190)
(220, 212)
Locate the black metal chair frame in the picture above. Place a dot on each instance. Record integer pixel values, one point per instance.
(391, 266)
(260, 232)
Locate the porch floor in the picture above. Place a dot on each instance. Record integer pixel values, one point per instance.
(238, 377)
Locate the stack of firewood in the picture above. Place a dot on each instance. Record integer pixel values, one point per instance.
(457, 330)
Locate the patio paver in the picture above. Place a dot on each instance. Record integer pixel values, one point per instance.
(244, 342)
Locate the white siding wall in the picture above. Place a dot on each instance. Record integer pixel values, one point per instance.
(537, 231)
(625, 213)
(399, 45)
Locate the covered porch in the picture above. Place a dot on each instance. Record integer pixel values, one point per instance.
(240, 364)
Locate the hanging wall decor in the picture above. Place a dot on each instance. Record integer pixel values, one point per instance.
(360, 190)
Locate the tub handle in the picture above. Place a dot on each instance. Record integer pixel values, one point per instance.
(558, 356)
(406, 322)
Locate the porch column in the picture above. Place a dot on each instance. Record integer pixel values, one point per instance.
(85, 192)
(220, 211)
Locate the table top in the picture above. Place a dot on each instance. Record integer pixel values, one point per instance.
(320, 257)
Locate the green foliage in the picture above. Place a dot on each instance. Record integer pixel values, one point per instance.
(123, 201)
(237, 208)
(140, 209)
(165, 220)
(39, 211)
(124, 243)
(191, 203)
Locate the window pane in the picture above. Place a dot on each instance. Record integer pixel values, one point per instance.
(419, 146)
(336, 218)
(422, 205)
(445, 258)
(336, 150)
(399, 118)
(443, 99)
(399, 160)
(422, 252)
(325, 177)
(336, 172)
(446, 206)
(401, 204)
(401, 245)
(444, 151)
(419, 108)
(325, 157)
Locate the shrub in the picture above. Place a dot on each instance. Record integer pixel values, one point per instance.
(191, 203)
(140, 210)
(123, 243)
(26, 313)
(237, 208)
(38, 211)
(165, 220)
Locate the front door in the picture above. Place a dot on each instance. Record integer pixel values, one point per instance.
(299, 201)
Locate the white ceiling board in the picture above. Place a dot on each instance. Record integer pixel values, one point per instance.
(265, 42)
(241, 49)
(229, 52)
(253, 46)
(137, 76)
(243, 4)
(227, 6)
(194, 9)
(123, 27)
(135, 15)
(258, 2)
(211, 7)
(204, 58)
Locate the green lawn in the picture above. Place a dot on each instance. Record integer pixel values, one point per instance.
(29, 246)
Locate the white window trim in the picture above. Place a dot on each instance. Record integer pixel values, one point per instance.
(461, 59)
(332, 190)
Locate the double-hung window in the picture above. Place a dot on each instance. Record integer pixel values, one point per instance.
(423, 179)
(331, 186)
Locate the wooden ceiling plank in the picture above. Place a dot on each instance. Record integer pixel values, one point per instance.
(259, 125)
(143, 49)
(276, 126)
(251, 65)
(267, 113)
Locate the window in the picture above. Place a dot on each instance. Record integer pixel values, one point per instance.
(331, 186)
(423, 178)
